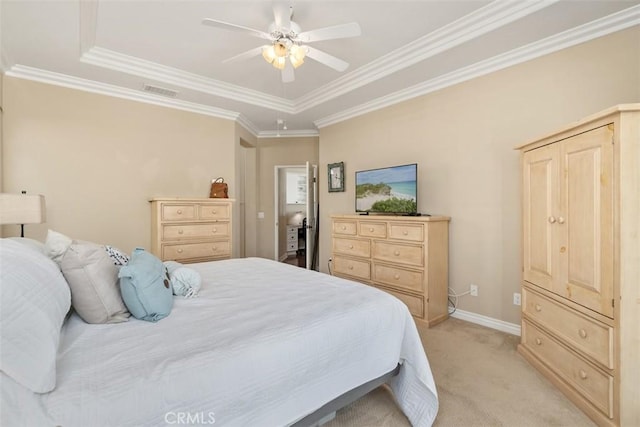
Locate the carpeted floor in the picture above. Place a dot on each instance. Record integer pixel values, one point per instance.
(481, 381)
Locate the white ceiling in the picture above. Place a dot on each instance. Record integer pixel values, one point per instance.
(407, 48)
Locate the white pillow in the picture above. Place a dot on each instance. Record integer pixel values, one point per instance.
(34, 300)
(31, 243)
(56, 245)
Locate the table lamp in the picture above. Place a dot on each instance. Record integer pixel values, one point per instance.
(22, 209)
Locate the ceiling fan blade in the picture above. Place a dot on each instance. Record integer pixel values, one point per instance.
(326, 59)
(341, 31)
(245, 55)
(234, 27)
(282, 14)
(288, 75)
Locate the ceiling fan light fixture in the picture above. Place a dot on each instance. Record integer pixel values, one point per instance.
(269, 54)
(280, 50)
(280, 62)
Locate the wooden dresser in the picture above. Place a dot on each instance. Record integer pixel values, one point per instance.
(407, 257)
(581, 262)
(191, 230)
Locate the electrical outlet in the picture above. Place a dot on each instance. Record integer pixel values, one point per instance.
(516, 298)
(473, 290)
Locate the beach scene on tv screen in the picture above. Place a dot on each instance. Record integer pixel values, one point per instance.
(390, 190)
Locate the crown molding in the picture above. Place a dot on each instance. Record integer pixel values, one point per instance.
(475, 24)
(243, 121)
(88, 21)
(592, 30)
(302, 133)
(49, 77)
(151, 70)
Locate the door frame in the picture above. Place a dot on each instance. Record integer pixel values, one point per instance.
(276, 206)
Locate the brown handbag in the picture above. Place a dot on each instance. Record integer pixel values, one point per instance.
(219, 189)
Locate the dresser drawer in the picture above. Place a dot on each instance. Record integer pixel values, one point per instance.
(398, 253)
(352, 267)
(372, 229)
(171, 212)
(213, 211)
(292, 237)
(194, 231)
(410, 232)
(185, 251)
(399, 277)
(352, 247)
(594, 385)
(415, 304)
(587, 335)
(345, 227)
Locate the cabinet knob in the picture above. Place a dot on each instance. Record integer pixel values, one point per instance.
(214, 248)
(397, 276)
(350, 246)
(560, 220)
(371, 229)
(552, 219)
(405, 232)
(179, 211)
(350, 267)
(213, 211)
(538, 307)
(344, 227)
(563, 250)
(215, 230)
(179, 251)
(583, 333)
(538, 341)
(396, 253)
(583, 374)
(181, 231)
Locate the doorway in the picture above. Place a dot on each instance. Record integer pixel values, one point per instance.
(296, 208)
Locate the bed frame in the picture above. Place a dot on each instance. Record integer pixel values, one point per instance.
(327, 412)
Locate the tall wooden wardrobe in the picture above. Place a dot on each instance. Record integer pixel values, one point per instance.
(581, 262)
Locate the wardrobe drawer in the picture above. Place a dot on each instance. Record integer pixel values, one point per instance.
(587, 335)
(398, 253)
(411, 232)
(345, 227)
(594, 385)
(351, 267)
(414, 303)
(352, 247)
(178, 212)
(196, 250)
(213, 211)
(194, 231)
(399, 277)
(373, 229)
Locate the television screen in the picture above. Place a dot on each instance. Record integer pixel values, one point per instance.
(387, 190)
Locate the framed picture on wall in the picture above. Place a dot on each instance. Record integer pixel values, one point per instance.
(335, 173)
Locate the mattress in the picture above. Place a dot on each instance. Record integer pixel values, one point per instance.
(264, 343)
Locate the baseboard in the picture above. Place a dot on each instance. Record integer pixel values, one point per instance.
(283, 257)
(489, 322)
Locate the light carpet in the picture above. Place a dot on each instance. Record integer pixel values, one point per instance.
(481, 381)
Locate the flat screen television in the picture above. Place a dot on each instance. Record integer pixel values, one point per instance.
(391, 190)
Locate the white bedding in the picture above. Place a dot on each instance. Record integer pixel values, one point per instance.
(264, 344)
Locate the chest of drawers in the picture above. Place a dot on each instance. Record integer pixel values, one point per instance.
(191, 230)
(404, 256)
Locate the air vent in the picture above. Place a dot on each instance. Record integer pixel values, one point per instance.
(160, 91)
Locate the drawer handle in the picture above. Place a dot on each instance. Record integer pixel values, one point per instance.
(538, 341)
(181, 231)
(344, 227)
(215, 229)
(583, 374)
(552, 220)
(583, 333)
(350, 267)
(397, 276)
(371, 229)
(560, 220)
(214, 211)
(179, 211)
(179, 251)
(396, 253)
(538, 307)
(215, 248)
(405, 232)
(350, 246)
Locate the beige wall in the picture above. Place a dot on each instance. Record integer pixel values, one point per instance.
(277, 152)
(463, 137)
(99, 159)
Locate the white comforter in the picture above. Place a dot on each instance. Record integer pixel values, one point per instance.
(264, 344)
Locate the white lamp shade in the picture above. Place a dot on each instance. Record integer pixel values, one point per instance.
(22, 208)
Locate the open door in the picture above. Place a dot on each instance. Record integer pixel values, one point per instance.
(312, 209)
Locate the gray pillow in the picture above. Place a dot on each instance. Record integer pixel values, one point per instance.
(93, 280)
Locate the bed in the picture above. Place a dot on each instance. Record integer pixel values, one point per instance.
(264, 343)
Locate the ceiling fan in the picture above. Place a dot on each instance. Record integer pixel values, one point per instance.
(286, 48)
